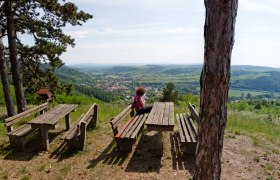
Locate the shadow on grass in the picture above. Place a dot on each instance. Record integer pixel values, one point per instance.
(31, 149)
(110, 156)
(147, 155)
(179, 160)
(63, 152)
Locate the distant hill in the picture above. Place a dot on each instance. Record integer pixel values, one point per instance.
(84, 83)
(186, 77)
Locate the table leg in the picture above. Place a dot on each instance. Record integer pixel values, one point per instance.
(67, 122)
(45, 138)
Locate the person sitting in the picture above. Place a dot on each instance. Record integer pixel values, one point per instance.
(139, 102)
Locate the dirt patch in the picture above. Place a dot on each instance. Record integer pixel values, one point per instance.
(244, 160)
(156, 156)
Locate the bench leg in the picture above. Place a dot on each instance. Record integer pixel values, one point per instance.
(67, 122)
(92, 123)
(79, 142)
(124, 144)
(45, 138)
(10, 128)
(190, 149)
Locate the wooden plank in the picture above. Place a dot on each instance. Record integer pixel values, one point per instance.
(134, 134)
(10, 123)
(123, 113)
(88, 114)
(28, 112)
(151, 115)
(194, 113)
(166, 114)
(62, 113)
(189, 128)
(157, 114)
(20, 130)
(133, 121)
(194, 128)
(154, 127)
(182, 137)
(135, 125)
(37, 120)
(185, 129)
(171, 114)
(53, 116)
(123, 128)
(161, 114)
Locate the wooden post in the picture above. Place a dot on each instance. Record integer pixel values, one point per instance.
(83, 131)
(67, 121)
(45, 138)
(93, 121)
(10, 128)
(95, 115)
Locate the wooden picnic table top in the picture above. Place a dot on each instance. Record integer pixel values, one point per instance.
(52, 116)
(161, 117)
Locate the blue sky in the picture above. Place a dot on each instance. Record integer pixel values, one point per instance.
(171, 32)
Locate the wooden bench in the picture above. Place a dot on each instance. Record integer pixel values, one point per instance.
(76, 136)
(22, 134)
(127, 135)
(188, 130)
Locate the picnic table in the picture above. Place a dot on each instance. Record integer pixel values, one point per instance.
(49, 119)
(161, 117)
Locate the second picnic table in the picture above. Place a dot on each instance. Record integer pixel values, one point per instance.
(49, 119)
(161, 117)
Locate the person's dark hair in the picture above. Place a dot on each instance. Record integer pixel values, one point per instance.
(140, 91)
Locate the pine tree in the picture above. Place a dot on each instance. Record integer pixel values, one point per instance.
(44, 21)
(17, 79)
(169, 94)
(5, 82)
(214, 83)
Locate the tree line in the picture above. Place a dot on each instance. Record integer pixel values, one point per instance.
(43, 22)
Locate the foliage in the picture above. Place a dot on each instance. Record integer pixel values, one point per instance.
(43, 21)
(258, 106)
(169, 94)
(74, 99)
(96, 92)
(189, 98)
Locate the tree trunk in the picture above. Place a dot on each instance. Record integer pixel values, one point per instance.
(4, 77)
(17, 80)
(214, 82)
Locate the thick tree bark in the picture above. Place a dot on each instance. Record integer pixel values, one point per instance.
(17, 80)
(4, 77)
(214, 82)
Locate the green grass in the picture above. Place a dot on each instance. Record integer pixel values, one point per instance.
(254, 125)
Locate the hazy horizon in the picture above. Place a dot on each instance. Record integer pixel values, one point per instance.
(157, 64)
